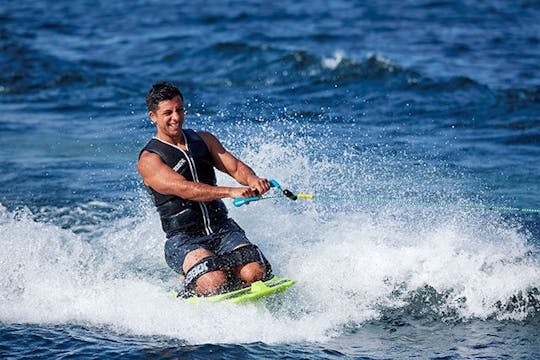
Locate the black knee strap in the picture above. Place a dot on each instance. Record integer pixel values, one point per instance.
(243, 255)
(238, 257)
(200, 268)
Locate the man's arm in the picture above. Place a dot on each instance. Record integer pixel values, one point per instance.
(226, 162)
(157, 175)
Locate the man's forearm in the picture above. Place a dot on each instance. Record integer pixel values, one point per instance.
(243, 174)
(201, 192)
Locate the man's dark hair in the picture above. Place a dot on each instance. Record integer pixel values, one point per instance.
(161, 91)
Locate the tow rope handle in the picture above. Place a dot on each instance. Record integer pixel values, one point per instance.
(273, 183)
(243, 201)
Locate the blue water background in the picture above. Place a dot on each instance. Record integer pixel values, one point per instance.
(407, 112)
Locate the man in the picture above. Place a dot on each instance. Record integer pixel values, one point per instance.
(203, 244)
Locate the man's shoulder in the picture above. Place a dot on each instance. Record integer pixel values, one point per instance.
(191, 133)
(206, 136)
(154, 147)
(146, 148)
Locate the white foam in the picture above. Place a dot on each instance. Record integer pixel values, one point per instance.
(333, 62)
(348, 263)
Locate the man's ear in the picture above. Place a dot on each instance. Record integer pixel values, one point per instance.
(152, 116)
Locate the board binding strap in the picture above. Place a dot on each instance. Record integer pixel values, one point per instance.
(252, 293)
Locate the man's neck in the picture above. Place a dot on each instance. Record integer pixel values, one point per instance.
(176, 140)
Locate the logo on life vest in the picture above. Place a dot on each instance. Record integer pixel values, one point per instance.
(180, 163)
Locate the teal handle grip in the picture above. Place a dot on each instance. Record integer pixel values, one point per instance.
(274, 183)
(243, 201)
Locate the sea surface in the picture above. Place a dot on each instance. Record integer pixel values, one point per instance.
(416, 124)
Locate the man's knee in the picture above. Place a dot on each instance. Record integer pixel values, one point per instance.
(204, 281)
(194, 257)
(211, 283)
(205, 272)
(251, 272)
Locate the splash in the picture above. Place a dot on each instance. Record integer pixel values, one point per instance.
(119, 281)
(352, 264)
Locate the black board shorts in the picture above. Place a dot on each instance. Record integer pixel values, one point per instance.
(225, 240)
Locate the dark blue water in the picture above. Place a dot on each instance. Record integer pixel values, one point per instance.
(414, 122)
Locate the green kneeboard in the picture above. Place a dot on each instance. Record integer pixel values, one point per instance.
(252, 293)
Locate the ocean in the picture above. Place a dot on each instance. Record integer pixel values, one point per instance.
(415, 124)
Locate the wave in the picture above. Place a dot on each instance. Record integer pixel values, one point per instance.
(313, 78)
(25, 69)
(353, 263)
(341, 69)
(238, 61)
(29, 68)
(346, 275)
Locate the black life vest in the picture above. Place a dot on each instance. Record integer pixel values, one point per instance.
(196, 164)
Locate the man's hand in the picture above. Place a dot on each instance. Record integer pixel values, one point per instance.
(242, 192)
(258, 185)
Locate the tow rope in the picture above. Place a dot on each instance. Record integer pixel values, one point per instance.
(292, 196)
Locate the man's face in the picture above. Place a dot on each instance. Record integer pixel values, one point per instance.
(169, 117)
